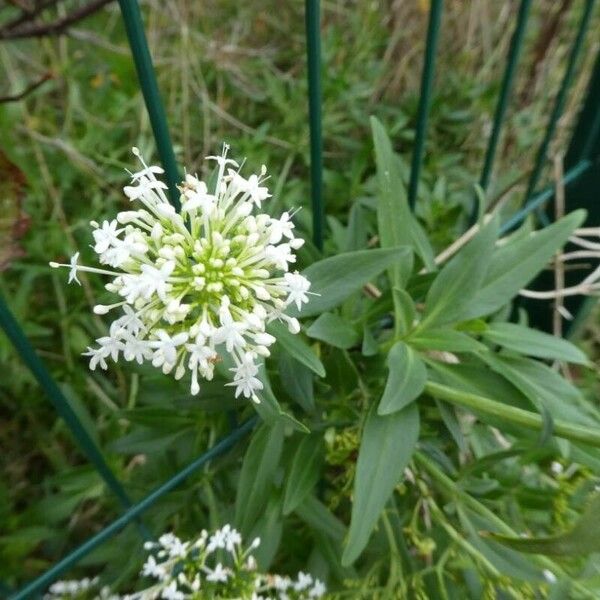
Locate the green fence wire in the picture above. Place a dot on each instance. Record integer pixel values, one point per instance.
(59, 401)
(583, 159)
(134, 27)
(560, 99)
(433, 34)
(313, 60)
(41, 583)
(516, 45)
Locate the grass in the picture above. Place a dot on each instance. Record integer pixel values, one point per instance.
(234, 72)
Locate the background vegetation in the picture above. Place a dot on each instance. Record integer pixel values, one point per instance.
(234, 72)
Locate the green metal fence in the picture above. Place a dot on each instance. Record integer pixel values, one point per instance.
(581, 177)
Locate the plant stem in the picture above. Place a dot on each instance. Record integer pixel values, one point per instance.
(452, 490)
(512, 414)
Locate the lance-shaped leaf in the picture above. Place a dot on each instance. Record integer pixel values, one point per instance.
(296, 347)
(395, 222)
(333, 330)
(406, 379)
(533, 343)
(583, 538)
(516, 263)
(460, 278)
(256, 477)
(338, 277)
(386, 446)
(447, 340)
(304, 472)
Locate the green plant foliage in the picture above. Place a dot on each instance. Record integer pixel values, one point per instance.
(406, 379)
(387, 444)
(411, 413)
(582, 538)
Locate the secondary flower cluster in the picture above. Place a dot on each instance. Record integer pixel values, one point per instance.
(194, 282)
(213, 566)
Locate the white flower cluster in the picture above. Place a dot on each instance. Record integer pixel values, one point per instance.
(214, 566)
(193, 283)
(82, 588)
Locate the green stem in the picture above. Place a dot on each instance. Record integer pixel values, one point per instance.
(518, 416)
(454, 492)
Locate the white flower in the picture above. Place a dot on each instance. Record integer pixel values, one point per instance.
(216, 540)
(129, 322)
(136, 349)
(278, 228)
(280, 255)
(256, 192)
(282, 583)
(153, 569)
(172, 593)
(106, 236)
(298, 287)
(244, 378)
(73, 271)
(230, 332)
(303, 582)
(97, 357)
(232, 539)
(197, 196)
(165, 348)
(199, 283)
(219, 573)
(317, 590)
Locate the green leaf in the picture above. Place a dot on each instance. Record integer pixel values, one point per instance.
(459, 279)
(297, 381)
(304, 472)
(268, 529)
(404, 311)
(406, 379)
(295, 346)
(452, 425)
(516, 263)
(333, 330)
(315, 514)
(269, 409)
(582, 538)
(393, 213)
(387, 445)
(505, 560)
(396, 223)
(543, 386)
(256, 477)
(447, 340)
(369, 343)
(533, 343)
(338, 277)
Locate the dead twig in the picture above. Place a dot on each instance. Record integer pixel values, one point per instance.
(56, 27)
(30, 88)
(29, 13)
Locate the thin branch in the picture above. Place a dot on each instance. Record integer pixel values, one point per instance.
(28, 14)
(55, 28)
(30, 88)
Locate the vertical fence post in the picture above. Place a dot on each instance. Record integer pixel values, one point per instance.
(433, 31)
(516, 44)
(559, 102)
(313, 54)
(143, 63)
